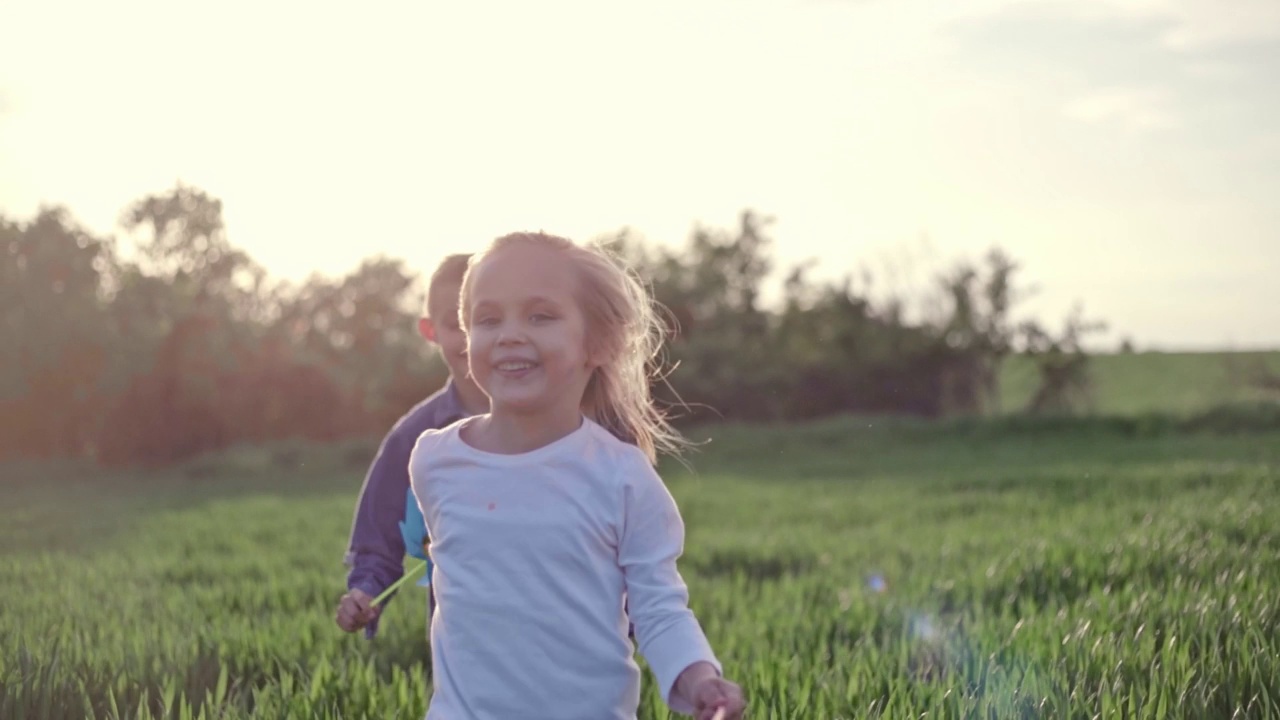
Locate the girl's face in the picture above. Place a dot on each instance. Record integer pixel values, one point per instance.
(526, 337)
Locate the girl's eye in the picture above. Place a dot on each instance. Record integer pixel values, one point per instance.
(541, 317)
(486, 320)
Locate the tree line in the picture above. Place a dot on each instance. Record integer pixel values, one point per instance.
(179, 343)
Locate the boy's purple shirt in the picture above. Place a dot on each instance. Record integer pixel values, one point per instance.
(375, 552)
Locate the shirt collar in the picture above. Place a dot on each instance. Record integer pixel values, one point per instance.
(452, 409)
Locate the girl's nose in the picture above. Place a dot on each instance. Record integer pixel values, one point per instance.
(510, 335)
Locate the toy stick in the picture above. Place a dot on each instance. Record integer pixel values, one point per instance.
(387, 593)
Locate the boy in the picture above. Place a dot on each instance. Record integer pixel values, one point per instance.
(375, 554)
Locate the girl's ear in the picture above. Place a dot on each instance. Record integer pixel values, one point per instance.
(596, 355)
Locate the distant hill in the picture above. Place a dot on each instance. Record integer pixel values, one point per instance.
(1169, 382)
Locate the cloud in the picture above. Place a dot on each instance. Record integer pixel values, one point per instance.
(1180, 25)
(1194, 25)
(1194, 65)
(1066, 44)
(1133, 109)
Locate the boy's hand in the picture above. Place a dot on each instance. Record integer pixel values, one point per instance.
(356, 610)
(712, 697)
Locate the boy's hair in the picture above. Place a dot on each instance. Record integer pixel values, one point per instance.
(451, 270)
(623, 330)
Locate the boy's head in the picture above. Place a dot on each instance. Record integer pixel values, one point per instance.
(439, 323)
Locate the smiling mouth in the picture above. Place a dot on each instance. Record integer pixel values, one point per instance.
(515, 365)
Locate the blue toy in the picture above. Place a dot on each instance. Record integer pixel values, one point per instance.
(414, 531)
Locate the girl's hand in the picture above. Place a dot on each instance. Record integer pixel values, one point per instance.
(715, 698)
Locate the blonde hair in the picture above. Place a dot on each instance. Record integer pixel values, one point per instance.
(624, 331)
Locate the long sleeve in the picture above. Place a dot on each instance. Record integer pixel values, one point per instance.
(375, 553)
(652, 540)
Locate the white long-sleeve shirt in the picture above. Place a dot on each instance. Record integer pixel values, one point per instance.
(534, 555)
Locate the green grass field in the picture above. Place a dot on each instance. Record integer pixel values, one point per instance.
(1154, 382)
(1067, 569)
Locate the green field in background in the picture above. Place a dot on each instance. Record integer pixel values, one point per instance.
(846, 569)
(1153, 382)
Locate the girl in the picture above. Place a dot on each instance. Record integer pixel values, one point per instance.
(544, 523)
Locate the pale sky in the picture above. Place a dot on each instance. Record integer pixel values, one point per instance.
(1127, 153)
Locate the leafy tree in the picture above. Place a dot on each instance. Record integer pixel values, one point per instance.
(179, 343)
(55, 347)
(1065, 384)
